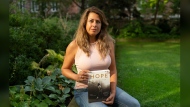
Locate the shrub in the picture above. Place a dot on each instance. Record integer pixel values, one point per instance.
(29, 39)
(20, 69)
(150, 29)
(163, 24)
(131, 30)
(175, 28)
(137, 29)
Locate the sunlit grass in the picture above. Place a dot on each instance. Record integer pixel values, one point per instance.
(150, 71)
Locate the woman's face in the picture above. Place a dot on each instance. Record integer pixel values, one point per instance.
(93, 24)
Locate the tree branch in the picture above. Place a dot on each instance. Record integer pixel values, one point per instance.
(76, 3)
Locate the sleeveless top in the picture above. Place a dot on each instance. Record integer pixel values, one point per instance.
(93, 62)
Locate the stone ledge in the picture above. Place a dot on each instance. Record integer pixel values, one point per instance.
(73, 103)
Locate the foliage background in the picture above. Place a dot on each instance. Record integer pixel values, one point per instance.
(37, 45)
(29, 39)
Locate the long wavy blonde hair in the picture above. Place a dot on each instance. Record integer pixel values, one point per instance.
(103, 39)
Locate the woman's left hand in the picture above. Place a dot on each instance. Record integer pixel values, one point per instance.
(110, 99)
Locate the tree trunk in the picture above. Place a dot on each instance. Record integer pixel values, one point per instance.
(42, 6)
(156, 12)
(83, 5)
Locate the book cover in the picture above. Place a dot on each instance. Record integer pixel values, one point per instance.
(98, 85)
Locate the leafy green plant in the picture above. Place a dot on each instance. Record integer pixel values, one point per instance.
(52, 90)
(48, 63)
(49, 87)
(17, 96)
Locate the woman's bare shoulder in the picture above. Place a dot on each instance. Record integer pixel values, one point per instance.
(72, 46)
(111, 44)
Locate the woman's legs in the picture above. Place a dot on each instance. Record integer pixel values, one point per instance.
(81, 97)
(123, 99)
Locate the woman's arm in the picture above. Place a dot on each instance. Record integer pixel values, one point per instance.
(113, 76)
(113, 69)
(69, 61)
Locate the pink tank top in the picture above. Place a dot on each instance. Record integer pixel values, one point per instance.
(93, 62)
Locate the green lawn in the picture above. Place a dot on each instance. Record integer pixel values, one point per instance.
(150, 71)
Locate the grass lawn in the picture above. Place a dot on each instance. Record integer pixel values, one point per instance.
(150, 71)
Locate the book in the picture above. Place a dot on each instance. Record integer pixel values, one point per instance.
(98, 85)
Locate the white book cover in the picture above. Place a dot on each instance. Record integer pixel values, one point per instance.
(98, 85)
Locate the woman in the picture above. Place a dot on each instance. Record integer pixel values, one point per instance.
(93, 49)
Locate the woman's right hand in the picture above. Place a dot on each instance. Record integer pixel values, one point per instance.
(83, 75)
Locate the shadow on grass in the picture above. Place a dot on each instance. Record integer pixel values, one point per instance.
(163, 100)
